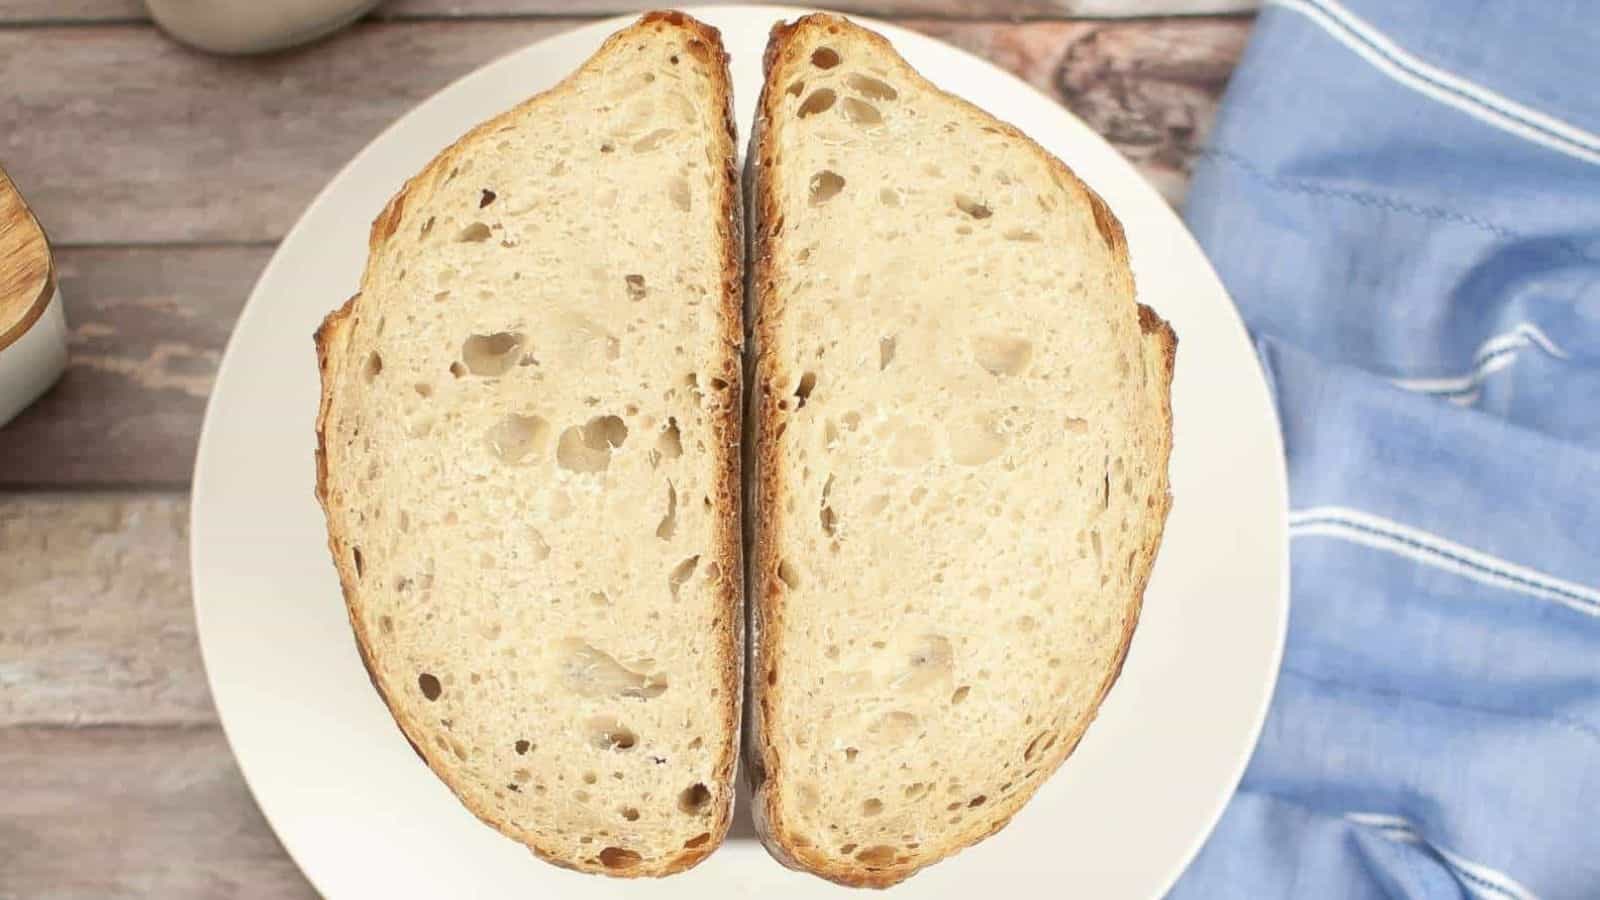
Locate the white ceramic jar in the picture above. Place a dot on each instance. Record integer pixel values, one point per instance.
(33, 331)
(253, 26)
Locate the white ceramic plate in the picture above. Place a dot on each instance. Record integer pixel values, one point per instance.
(364, 818)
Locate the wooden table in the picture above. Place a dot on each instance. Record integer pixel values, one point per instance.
(165, 178)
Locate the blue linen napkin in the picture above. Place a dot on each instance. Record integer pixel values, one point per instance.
(1403, 197)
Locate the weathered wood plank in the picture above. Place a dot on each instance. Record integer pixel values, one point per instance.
(180, 146)
(147, 327)
(186, 147)
(133, 812)
(126, 10)
(71, 11)
(96, 624)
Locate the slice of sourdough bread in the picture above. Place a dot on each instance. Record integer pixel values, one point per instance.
(528, 458)
(961, 426)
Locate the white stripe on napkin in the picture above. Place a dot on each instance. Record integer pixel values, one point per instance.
(1475, 100)
(1494, 354)
(1403, 540)
(1481, 880)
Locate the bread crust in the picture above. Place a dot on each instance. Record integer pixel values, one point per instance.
(764, 479)
(332, 339)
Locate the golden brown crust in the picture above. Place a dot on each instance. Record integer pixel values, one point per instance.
(333, 336)
(764, 483)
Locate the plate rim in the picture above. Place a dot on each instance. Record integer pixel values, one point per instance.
(255, 302)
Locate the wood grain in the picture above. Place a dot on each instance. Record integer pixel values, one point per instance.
(25, 274)
(117, 812)
(96, 625)
(146, 328)
(180, 146)
(131, 10)
(186, 147)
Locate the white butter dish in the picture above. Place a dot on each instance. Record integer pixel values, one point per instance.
(33, 330)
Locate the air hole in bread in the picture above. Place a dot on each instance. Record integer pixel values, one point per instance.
(681, 573)
(423, 389)
(629, 813)
(977, 801)
(590, 672)
(521, 747)
(893, 727)
(670, 442)
(694, 800)
(847, 849)
(825, 185)
(636, 290)
(373, 366)
(1021, 235)
(973, 208)
(699, 840)
(876, 855)
(860, 112)
(485, 197)
(871, 88)
(430, 686)
(652, 140)
(788, 574)
(606, 733)
(669, 521)
(802, 392)
(826, 514)
(886, 348)
(476, 233)
(975, 440)
(871, 806)
(926, 660)
(819, 101)
(678, 192)
(1038, 746)
(608, 147)
(960, 695)
(587, 448)
(1075, 425)
(515, 436)
(357, 561)
(824, 57)
(796, 87)
(619, 858)
(490, 355)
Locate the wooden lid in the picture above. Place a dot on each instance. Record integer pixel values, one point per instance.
(27, 274)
